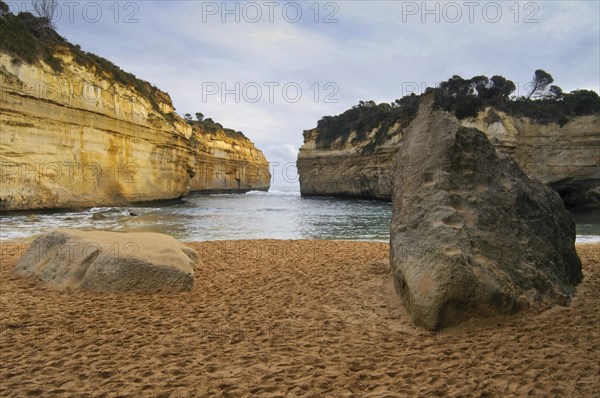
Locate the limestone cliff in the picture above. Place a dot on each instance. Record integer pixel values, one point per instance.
(228, 163)
(566, 157)
(76, 137)
(344, 169)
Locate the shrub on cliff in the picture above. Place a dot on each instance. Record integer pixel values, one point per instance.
(29, 38)
(210, 126)
(582, 102)
(46, 9)
(365, 117)
(466, 97)
(556, 110)
(463, 98)
(3, 8)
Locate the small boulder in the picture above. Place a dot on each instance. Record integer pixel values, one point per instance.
(98, 216)
(471, 233)
(109, 261)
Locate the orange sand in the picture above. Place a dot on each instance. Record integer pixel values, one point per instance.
(287, 318)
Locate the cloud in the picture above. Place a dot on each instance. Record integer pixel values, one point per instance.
(282, 159)
(283, 153)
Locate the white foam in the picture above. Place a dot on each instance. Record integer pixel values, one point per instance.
(587, 239)
(273, 192)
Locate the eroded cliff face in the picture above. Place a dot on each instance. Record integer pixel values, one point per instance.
(76, 138)
(567, 158)
(564, 157)
(228, 164)
(344, 170)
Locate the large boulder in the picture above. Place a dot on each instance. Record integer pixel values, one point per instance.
(471, 233)
(109, 261)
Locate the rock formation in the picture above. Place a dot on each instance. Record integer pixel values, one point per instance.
(109, 261)
(345, 170)
(78, 137)
(226, 163)
(564, 157)
(471, 233)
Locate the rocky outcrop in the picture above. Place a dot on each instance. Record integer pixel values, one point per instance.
(471, 233)
(564, 157)
(109, 261)
(78, 138)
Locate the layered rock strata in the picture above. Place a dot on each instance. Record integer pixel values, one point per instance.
(565, 157)
(78, 138)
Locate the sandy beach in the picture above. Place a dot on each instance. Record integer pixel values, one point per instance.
(287, 318)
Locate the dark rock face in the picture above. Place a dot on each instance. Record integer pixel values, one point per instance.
(471, 233)
(352, 175)
(579, 196)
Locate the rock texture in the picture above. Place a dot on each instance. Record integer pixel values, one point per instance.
(77, 138)
(344, 170)
(564, 157)
(567, 158)
(109, 261)
(228, 164)
(471, 233)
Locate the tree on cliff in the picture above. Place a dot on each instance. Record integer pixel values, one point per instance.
(45, 9)
(582, 102)
(555, 92)
(3, 8)
(462, 98)
(187, 117)
(199, 116)
(539, 84)
(465, 97)
(500, 89)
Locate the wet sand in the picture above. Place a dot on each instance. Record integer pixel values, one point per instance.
(287, 318)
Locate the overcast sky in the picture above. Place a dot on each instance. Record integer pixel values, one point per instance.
(337, 53)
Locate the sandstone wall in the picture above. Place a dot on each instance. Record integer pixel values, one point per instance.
(78, 139)
(566, 158)
(227, 164)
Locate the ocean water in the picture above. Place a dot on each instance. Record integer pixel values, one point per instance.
(277, 214)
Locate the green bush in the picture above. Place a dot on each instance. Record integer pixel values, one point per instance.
(210, 126)
(365, 117)
(30, 39)
(461, 97)
(556, 110)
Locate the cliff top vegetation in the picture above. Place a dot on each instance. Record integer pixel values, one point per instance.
(31, 39)
(210, 126)
(544, 103)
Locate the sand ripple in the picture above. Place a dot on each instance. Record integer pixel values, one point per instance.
(287, 318)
